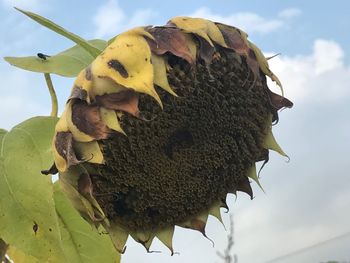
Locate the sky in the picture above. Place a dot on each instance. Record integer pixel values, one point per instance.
(304, 215)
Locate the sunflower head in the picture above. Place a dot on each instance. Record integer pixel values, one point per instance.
(163, 125)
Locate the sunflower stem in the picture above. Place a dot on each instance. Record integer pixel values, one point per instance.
(54, 103)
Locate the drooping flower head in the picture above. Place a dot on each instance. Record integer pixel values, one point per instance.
(162, 125)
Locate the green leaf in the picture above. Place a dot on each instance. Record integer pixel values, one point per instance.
(81, 242)
(67, 63)
(28, 219)
(2, 133)
(94, 51)
(19, 257)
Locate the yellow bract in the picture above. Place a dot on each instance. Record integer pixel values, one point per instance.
(191, 44)
(270, 141)
(60, 162)
(69, 181)
(201, 27)
(251, 173)
(62, 125)
(103, 86)
(215, 211)
(109, 117)
(132, 54)
(118, 235)
(166, 237)
(160, 76)
(77, 134)
(89, 152)
(83, 83)
(264, 65)
(138, 31)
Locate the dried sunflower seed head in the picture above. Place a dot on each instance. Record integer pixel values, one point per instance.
(163, 125)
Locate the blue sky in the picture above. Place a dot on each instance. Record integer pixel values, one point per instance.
(307, 200)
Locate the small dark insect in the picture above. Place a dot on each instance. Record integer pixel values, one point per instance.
(42, 56)
(35, 227)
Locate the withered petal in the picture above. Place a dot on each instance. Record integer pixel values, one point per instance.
(253, 62)
(233, 38)
(126, 101)
(236, 42)
(78, 93)
(278, 101)
(64, 147)
(87, 119)
(244, 186)
(206, 51)
(168, 39)
(198, 225)
(84, 184)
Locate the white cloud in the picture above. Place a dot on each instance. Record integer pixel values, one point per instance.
(110, 19)
(318, 77)
(249, 22)
(290, 13)
(328, 56)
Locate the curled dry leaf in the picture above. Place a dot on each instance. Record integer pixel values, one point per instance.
(168, 39)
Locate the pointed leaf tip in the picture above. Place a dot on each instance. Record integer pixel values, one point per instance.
(67, 63)
(251, 173)
(166, 237)
(119, 237)
(271, 143)
(244, 186)
(215, 211)
(60, 30)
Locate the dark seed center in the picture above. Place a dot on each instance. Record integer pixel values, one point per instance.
(189, 155)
